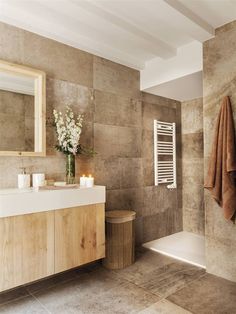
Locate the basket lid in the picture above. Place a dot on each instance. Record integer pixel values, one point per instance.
(119, 216)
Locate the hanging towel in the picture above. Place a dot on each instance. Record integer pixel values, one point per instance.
(221, 177)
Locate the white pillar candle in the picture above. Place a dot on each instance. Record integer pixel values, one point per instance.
(89, 181)
(82, 180)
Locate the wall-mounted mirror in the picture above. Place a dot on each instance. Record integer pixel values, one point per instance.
(22, 110)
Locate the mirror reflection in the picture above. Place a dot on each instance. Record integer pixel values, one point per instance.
(17, 97)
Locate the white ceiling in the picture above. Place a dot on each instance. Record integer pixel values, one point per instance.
(130, 32)
(215, 12)
(183, 88)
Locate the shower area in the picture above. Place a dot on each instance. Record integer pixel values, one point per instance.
(185, 241)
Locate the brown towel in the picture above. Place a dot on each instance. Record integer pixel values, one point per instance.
(222, 165)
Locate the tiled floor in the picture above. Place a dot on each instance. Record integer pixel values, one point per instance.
(154, 284)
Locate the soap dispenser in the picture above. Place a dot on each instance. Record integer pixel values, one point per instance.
(23, 180)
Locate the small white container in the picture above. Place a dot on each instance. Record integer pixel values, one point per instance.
(23, 180)
(38, 179)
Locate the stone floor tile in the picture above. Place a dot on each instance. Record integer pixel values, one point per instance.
(146, 261)
(207, 295)
(127, 298)
(166, 280)
(55, 280)
(75, 295)
(26, 305)
(100, 291)
(164, 307)
(140, 288)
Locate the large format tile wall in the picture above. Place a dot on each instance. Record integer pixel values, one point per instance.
(192, 166)
(219, 80)
(118, 121)
(162, 210)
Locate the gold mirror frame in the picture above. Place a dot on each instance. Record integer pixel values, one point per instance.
(39, 107)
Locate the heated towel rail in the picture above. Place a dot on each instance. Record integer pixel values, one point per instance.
(165, 153)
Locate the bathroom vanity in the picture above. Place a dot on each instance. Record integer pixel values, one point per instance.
(46, 232)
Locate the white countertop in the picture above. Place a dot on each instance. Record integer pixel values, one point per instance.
(15, 202)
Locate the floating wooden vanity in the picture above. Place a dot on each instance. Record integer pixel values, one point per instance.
(38, 243)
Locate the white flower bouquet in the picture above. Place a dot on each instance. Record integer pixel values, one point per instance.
(68, 129)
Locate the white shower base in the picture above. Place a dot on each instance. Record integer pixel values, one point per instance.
(184, 246)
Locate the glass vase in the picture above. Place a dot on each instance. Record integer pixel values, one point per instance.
(70, 169)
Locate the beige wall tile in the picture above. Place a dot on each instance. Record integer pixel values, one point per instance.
(192, 166)
(154, 99)
(192, 146)
(11, 44)
(193, 197)
(130, 142)
(117, 141)
(106, 142)
(192, 171)
(219, 60)
(139, 231)
(125, 199)
(62, 93)
(158, 199)
(193, 221)
(107, 172)
(58, 60)
(131, 172)
(220, 257)
(148, 144)
(192, 117)
(160, 204)
(157, 111)
(117, 110)
(115, 78)
(148, 171)
(222, 228)
(158, 225)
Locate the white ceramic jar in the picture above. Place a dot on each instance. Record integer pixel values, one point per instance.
(38, 179)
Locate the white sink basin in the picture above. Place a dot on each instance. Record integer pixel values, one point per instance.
(15, 202)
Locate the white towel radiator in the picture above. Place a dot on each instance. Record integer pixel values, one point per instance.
(165, 153)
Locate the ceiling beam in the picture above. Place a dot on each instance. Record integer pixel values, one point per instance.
(187, 61)
(154, 44)
(199, 29)
(36, 22)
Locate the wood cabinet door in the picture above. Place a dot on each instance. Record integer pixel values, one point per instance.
(26, 248)
(79, 236)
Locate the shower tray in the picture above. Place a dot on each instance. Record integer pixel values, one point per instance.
(184, 246)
